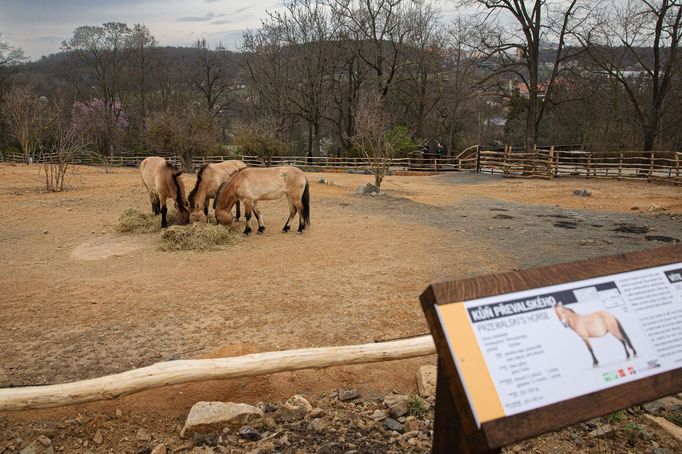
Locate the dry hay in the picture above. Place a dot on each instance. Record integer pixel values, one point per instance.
(134, 221)
(198, 237)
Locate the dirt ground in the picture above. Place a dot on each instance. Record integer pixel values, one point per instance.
(78, 300)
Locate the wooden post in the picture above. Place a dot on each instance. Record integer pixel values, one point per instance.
(504, 160)
(478, 159)
(677, 168)
(620, 165)
(550, 162)
(651, 167)
(589, 164)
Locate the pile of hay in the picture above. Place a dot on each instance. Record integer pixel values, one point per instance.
(133, 221)
(199, 237)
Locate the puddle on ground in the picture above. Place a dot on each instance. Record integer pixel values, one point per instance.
(106, 246)
(629, 228)
(664, 239)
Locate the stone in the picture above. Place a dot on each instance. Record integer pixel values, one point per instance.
(393, 399)
(582, 192)
(368, 189)
(398, 410)
(392, 424)
(672, 429)
(249, 433)
(208, 439)
(296, 402)
(159, 449)
(379, 415)
(213, 416)
(348, 394)
(601, 431)
(316, 413)
(143, 434)
(119, 413)
(41, 445)
(97, 439)
(318, 425)
(412, 425)
(426, 380)
(668, 403)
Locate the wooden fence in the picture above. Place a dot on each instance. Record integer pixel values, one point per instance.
(542, 162)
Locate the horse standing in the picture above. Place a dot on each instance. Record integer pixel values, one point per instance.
(253, 184)
(209, 179)
(596, 324)
(162, 182)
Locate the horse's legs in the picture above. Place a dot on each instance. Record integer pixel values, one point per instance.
(206, 207)
(164, 210)
(595, 363)
(627, 353)
(301, 222)
(154, 199)
(292, 213)
(256, 211)
(248, 206)
(238, 214)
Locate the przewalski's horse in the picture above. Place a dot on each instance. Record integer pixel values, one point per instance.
(596, 324)
(253, 184)
(162, 182)
(209, 179)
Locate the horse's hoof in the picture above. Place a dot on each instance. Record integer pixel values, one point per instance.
(285, 229)
(260, 230)
(247, 232)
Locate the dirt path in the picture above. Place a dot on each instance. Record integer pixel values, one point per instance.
(79, 300)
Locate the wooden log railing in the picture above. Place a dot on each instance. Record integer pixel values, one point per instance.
(187, 371)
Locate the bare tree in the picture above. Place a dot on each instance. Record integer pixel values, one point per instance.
(515, 48)
(143, 59)
(62, 143)
(210, 77)
(260, 138)
(375, 137)
(637, 44)
(101, 50)
(25, 114)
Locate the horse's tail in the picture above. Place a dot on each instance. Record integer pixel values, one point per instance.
(624, 334)
(305, 200)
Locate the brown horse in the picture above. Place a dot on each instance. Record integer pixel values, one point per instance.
(253, 184)
(209, 179)
(596, 324)
(162, 182)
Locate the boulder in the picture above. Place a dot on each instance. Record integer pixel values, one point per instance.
(297, 402)
(426, 380)
(209, 416)
(348, 394)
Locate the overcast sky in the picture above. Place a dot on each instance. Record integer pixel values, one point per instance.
(39, 26)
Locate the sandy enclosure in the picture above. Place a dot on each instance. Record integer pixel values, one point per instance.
(78, 300)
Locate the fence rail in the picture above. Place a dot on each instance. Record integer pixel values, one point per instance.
(542, 162)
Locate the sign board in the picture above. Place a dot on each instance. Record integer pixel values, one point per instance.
(513, 346)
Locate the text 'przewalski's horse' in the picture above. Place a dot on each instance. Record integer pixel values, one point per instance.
(253, 184)
(209, 179)
(596, 324)
(162, 182)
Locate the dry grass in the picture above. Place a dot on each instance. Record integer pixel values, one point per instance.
(133, 221)
(199, 237)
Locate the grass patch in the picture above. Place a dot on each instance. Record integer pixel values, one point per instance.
(416, 406)
(198, 237)
(134, 221)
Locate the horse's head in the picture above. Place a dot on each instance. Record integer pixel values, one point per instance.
(197, 215)
(224, 216)
(182, 209)
(562, 313)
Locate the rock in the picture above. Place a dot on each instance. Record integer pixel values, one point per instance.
(143, 434)
(379, 415)
(601, 431)
(426, 380)
(517, 448)
(41, 445)
(392, 424)
(213, 416)
(661, 451)
(348, 394)
(318, 425)
(672, 429)
(249, 433)
(411, 425)
(399, 409)
(159, 449)
(393, 399)
(669, 403)
(582, 192)
(209, 439)
(119, 413)
(298, 401)
(316, 413)
(267, 446)
(97, 439)
(368, 189)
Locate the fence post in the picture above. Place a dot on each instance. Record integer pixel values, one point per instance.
(589, 164)
(620, 165)
(550, 162)
(478, 159)
(651, 167)
(677, 168)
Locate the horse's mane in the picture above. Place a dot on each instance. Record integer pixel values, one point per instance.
(178, 192)
(225, 185)
(193, 192)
